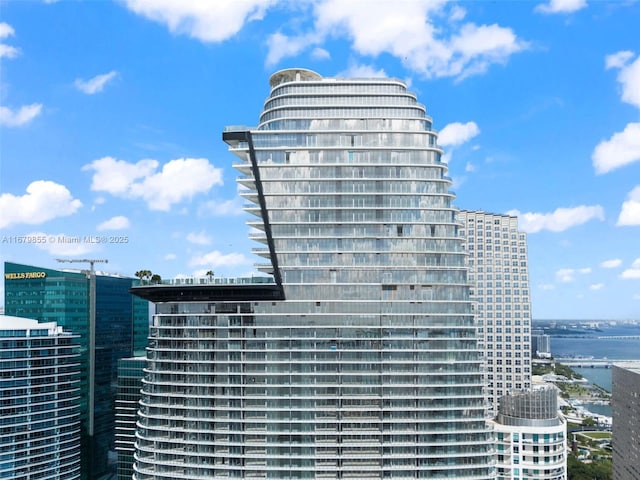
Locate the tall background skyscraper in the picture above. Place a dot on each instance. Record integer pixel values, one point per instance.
(39, 401)
(625, 404)
(361, 358)
(499, 273)
(121, 328)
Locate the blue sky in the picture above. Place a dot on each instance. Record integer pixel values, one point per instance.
(111, 117)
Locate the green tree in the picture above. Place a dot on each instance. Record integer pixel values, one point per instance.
(596, 470)
(589, 422)
(143, 275)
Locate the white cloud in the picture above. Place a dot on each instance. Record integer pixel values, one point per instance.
(633, 272)
(26, 113)
(7, 51)
(630, 212)
(565, 275)
(559, 220)
(457, 13)
(597, 286)
(170, 256)
(547, 286)
(95, 84)
(618, 59)
(356, 70)
(115, 223)
(407, 30)
(55, 244)
(621, 149)
(217, 259)
(568, 275)
(320, 54)
(470, 167)
(6, 30)
(222, 208)
(613, 263)
(457, 133)
(628, 77)
(179, 179)
(44, 200)
(561, 6)
(200, 238)
(281, 46)
(205, 21)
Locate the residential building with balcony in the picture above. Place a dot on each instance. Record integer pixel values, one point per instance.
(130, 373)
(357, 354)
(39, 401)
(531, 436)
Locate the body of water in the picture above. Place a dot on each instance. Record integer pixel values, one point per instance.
(599, 344)
(597, 376)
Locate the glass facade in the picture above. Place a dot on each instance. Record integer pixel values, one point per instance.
(626, 420)
(370, 368)
(39, 401)
(122, 325)
(130, 373)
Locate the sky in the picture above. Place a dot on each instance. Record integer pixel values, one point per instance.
(111, 120)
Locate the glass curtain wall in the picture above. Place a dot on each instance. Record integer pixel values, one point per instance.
(370, 368)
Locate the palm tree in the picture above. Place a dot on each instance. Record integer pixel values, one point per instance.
(155, 278)
(143, 275)
(210, 274)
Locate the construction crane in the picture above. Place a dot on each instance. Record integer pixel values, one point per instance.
(90, 261)
(91, 275)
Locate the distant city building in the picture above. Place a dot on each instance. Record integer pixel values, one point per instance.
(499, 273)
(359, 359)
(130, 373)
(121, 328)
(625, 403)
(541, 346)
(531, 436)
(39, 401)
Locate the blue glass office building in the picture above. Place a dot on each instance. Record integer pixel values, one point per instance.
(121, 328)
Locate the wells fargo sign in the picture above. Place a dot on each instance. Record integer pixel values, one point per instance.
(24, 275)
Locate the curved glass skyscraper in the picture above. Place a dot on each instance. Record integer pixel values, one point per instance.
(360, 359)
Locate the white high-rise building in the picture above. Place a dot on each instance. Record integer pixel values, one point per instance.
(359, 358)
(531, 436)
(499, 273)
(39, 401)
